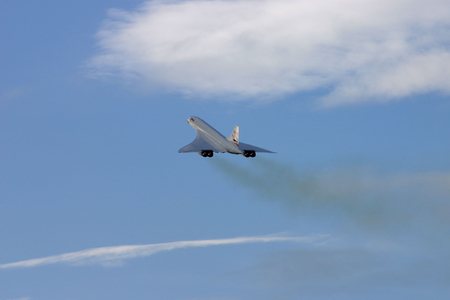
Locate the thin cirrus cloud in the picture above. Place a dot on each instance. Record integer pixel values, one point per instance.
(109, 256)
(349, 51)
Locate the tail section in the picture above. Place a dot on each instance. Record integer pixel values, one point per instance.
(234, 137)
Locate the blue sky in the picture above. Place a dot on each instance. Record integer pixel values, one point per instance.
(353, 97)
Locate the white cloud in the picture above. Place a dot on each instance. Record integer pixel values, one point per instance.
(113, 255)
(372, 50)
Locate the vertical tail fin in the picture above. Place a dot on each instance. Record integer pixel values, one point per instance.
(234, 137)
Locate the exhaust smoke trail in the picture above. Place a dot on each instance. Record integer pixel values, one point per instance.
(370, 199)
(392, 229)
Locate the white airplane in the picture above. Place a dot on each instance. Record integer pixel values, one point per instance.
(209, 140)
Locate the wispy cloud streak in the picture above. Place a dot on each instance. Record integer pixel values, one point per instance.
(113, 255)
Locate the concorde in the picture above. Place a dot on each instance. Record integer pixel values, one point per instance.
(209, 140)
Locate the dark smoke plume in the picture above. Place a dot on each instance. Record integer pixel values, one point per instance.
(365, 196)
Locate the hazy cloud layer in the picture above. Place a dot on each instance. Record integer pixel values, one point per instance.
(317, 273)
(12, 94)
(372, 50)
(113, 255)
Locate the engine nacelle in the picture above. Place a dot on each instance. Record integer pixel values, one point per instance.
(249, 153)
(206, 153)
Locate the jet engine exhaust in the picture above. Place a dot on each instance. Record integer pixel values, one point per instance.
(249, 154)
(207, 153)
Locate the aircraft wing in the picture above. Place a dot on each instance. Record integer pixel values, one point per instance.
(198, 145)
(247, 147)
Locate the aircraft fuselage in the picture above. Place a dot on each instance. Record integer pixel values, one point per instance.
(213, 137)
(209, 140)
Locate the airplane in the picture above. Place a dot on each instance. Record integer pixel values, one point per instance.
(209, 140)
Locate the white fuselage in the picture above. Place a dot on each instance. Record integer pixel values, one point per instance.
(213, 137)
